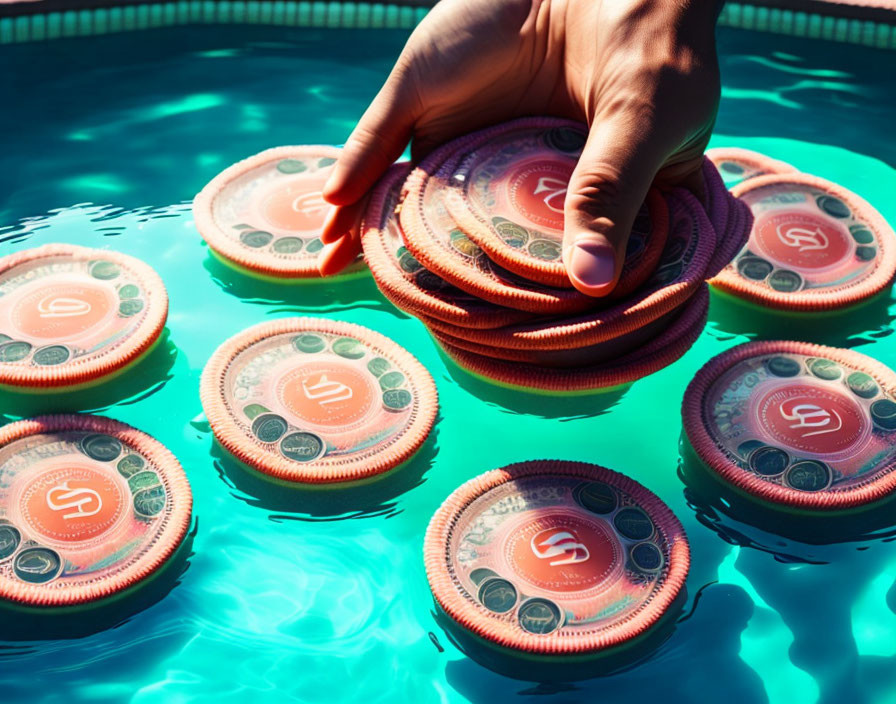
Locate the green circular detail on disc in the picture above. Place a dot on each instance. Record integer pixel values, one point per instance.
(409, 263)
(785, 281)
(862, 385)
(732, 167)
(825, 369)
(325, 162)
(314, 246)
(883, 412)
(397, 399)
(9, 540)
(862, 235)
(391, 380)
(302, 447)
(464, 244)
(143, 480)
(783, 366)
(866, 254)
(808, 475)
(129, 465)
(746, 447)
(497, 595)
(349, 347)
(288, 245)
(646, 557)
(633, 524)
(596, 497)
(51, 356)
(833, 206)
(754, 268)
(269, 427)
(4, 338)
(378, 366)
(309, 343)
(256, 238)
(769, 461)
(105, 271)
(102, 448)
(514, 235)
(480, 574)
(14, 351)
(149, 502)
(430, 282)
(539, 616)
(37, 565)
(545, 250)
(253, 410)
(291, 166)
(565, 139)
(130, 307)
(128, 291)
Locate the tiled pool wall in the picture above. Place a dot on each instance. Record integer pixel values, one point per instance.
(28, 21)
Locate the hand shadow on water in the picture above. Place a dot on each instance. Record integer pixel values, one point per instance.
(295, 502)
(147, 376)
(299, 295)
(856, 325)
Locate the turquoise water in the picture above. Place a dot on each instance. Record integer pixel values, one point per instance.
(322, 598)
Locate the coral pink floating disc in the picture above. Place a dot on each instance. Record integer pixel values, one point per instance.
(404, 281)
(317, 401)
(813, 246)
(88, 508)
(71, 315)
(738, 165)
(795, 424)
(552, 558)
(265, 213)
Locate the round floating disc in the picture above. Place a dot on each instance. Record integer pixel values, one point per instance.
(738, 165)
(553, 558)
(689, 248)
(89, 506)
(71, 315)
(796, 425)
(317, 401)
(813, 246)
(658, 353)
(265, 213)
(404, 281)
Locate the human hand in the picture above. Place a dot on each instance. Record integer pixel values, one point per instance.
(642, 74)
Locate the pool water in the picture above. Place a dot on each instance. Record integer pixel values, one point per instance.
(314, 597)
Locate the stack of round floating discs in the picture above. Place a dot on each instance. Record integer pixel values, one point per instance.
(794, 427)
(71, 316)
(470, 243)
(553, 570)
(317, 401)
(89, 509)
(813, 246)
(264, 214)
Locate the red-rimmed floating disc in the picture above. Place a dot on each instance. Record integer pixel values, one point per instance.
(265, 213)
(660, 352)
(404, 281)
(683, 263)
(813, 246)
(71, 315)
(317, 401)
(796, 425)
(89, 506)
(738, 165)
(553, 558)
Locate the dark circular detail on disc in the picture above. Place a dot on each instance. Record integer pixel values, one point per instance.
(14, 351)
(862, 385)
(102, 448)
(302, 447)
(647, 557)
(884, 413)
(349, 348)
(429, 281)
(545, 250)
(149, 502)
(409, 264)
(129, 465)
(825, 369)
(746, 447)
(143, 480)
(309, 343)
(325, 161)
(833, 206)
(808, 475)
(596, 497)
(130, 307)
(288, 245)
(397, 399)
(785, 281)
(269, 427)
(497, 595)
(754, 268)
(256, 238)
(866, 254)
(104, 271)
(480, 574)
(633, 524)
(291, 166)
(783, 366)
(391, 380)
(731, 167)
(378, 366)
(37, 565)
(128, 291)
(9, 540)
(514, 235)
(565, 139)
(861, 235)
(539, 616)
(314, 246)
(52, 355)
(768, 461)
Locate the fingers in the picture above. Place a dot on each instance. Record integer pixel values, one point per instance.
(342, 236)
(618, 164)
(338, 255)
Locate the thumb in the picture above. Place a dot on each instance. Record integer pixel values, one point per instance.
(606, 190)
